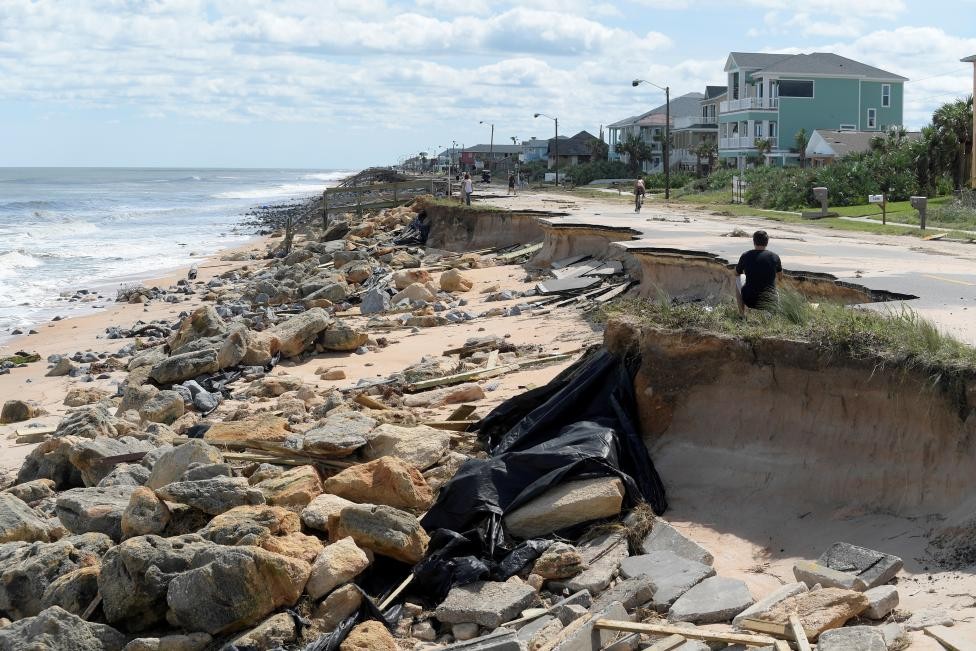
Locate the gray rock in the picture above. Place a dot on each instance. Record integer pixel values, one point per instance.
(185, 366)
(343, 338)
(213, 496)
(87, 455)
(770, 600)
(873, 567)
(541, 628)
(89, 422)
(32, 491)
(63, 366)
(164, 407)
(136, 574)
(172, 464)
(374, 302)
(852, 638)
(487, 603)
(383, 530)
(420, 446)
(564, 609)
(191, 642)
(632, 593)
(96, 509)
(273, 633)
(664, 537)
(56, 628)
(583, 636)
(49, 460)
(716, 599)
(671, 575)
(28, 569)
(926, 617)
(126, 474)
(73, 591)
(500, 640)
(20, 522)
(603, 554)
(339, 435)
(881, 601)
(813, 574)
(197, 472)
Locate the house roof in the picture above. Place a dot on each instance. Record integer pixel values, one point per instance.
(971, 59)
(578, 145)
(533, 143)
(842, 143)
(711, 92)
(754, 59)
(683, 105)
(826, 63)
(498, 149)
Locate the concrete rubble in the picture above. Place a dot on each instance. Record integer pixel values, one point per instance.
(215, 502)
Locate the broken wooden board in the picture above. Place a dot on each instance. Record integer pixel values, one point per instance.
(799, 634)
(615, 292)
(667, 644)
(690, 632)
(576, 270)
(369, 401)
(492, 359)
(518, 253)
(935, 236)
(609, 268)
(565, 285)
(762, 626)
(451, 425)
(462, 412)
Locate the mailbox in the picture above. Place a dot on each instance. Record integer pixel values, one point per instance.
(820, 194)
(920, 204)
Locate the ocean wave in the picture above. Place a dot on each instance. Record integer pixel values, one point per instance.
(20, 259)
(29, 205)
(327, 176)
(286, 190)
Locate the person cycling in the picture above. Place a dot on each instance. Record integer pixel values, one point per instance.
(639, 191)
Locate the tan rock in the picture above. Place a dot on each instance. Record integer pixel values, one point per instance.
(202, 322)
(273, 633)
(387, 480)
(369, 636)
(273, 386)
(566, 505)
(559, 561)
(452, 281)
(338, 563)
(297, 334)
(146, 514)
(293, 489)
(251, 525)
(414, 292)
(296, 545)
(316, 515)
(263, 428)
(340, 604)
(405, 278)
(467, 392)
(819, 610)
(81, 396)
(343, 338)
(382, 529)
(16, 411)
(332, 374)
(420, 446)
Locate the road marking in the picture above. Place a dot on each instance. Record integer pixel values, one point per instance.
(949, 280)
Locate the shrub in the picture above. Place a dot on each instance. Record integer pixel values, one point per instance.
(679, 179)
(601, 169)
(779, 188)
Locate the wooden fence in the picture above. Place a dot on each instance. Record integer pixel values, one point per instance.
(379, 195)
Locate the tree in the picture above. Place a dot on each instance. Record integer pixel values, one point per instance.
(800, 141)
(636, 150)
(952, 137)
(706, 149)
(763, 147)
(599, 150)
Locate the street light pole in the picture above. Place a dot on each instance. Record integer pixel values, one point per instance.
(667, 133)
(491, 144)
(556, 120)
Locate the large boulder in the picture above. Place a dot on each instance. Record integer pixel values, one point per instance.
(95, 509)
(369, 636)
(81, 396)
(28, 569)
(73, 591)
(202, 322)
(318, 512)
(90, 422)
(212, 496)
(87, 455)
(173, 464)
(16, 411)
(818, 610)
(273, 429)
(164, 407)
(420, 446)
(338, 563)
(49, 460)
(452, 281)
(297, 334)
(229, 588)
(383, 530)
(145, 514)
(136, 574)
(20, 522)
(343, 338)
(32, 491)
(292, 489)
(251, 525)
(406, 277)
(387, 480)
(185, 366)
(339, 435)
(566, 505)
(56, 628)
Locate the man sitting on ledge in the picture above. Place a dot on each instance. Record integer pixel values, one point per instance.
(762, 268)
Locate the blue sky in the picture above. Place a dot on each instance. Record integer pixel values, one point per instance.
(348, 83)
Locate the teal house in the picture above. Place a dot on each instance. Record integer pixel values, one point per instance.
(774, 96)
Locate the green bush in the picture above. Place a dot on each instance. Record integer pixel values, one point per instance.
(679, 179)
(601, 169)
(779, 188)
(720, 179)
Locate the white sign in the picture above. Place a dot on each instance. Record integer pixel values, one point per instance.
(875, 198)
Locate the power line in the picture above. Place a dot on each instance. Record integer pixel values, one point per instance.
(941, 74)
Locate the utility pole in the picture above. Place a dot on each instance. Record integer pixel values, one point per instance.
(556, 120)
(667, 133)
(972, 159)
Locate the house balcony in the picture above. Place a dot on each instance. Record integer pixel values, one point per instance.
(696, 120)
(749, 104)
(737, 142)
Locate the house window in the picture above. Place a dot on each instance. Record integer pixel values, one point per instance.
(795, 88)
(872, 118)
(759, 129)
(848, 127)
(886, 95)
(772, 129)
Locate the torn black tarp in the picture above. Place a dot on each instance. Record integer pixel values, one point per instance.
(582, 424)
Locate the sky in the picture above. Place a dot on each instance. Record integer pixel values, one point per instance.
(350, 83)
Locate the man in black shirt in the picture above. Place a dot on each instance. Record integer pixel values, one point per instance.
(761, 268)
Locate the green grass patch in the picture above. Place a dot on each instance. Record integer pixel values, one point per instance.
(897, 336)
(21, 358)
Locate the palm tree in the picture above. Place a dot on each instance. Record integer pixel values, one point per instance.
(707, 149)
(763, 147)
(952, 137)
(636, 150)
(801, 140)
(598, 149)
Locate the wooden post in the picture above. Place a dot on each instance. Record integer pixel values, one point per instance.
(800, 635)
(288, 235)
(325, 213)
(359, 202)
(396, 188)
(884, 207)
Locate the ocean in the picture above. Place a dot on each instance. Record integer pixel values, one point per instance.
(63, 229)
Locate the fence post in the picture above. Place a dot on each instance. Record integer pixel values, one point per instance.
(325, 213)
(396, 188)
(289, 233)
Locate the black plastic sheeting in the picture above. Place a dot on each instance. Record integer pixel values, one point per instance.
(583, 424)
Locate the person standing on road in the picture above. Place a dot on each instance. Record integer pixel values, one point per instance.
(511, 184)
(762, 268)
(639, 191)
(467, 188)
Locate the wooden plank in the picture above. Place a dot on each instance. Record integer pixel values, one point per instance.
(800, 635)
(781, 645)
(668, 643)
(615, 292)
(121, 458)
(576, 270)
(690, 633)
(935, 236)
(369, 401)
(457, 378)
(450, 425)
(518, 253)
(763, 626)
(954, 640)
(92, 606)
(492, 359)
(462, 412)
